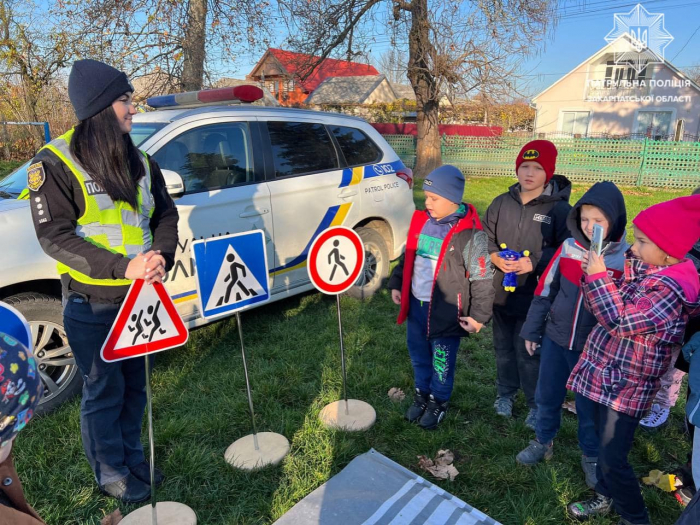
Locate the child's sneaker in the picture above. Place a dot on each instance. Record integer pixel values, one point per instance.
(420, 402)
(531, 419)
(434, 413)
(656, 418)
(534, 453)
(589, 466)
(598, 505)
(504, 406)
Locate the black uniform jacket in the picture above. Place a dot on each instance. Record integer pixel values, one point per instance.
(61, 200)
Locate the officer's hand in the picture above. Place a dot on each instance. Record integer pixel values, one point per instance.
(149, 266)
(396, 296)
(155, 267)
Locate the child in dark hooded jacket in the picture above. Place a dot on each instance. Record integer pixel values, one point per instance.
(558, 323)
(641, 318)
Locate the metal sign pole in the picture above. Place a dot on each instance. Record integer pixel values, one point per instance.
(149, 398)
(342, 357)
(247, 381)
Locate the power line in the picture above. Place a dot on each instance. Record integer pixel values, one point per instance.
(686, 43)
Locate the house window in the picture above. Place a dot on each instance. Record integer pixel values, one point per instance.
(575, 122)
(622, 75)
(654, 124)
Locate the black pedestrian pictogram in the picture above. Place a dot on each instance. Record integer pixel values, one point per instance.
(335, 254)
(155, 321)
(234, 279)
(138, 328)
(151, 318)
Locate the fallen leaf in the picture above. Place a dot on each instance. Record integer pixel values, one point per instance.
(442, 467)
(112, 519)
(570, 406)
(396, 394)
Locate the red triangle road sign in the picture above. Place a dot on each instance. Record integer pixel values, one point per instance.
(147, 323)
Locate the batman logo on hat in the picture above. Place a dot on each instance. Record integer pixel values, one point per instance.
(35, 176)
(531, 154)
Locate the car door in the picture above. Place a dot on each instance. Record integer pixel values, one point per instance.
(304, 172)
(220, 162)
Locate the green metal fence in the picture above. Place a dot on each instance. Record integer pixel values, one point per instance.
(629, 162)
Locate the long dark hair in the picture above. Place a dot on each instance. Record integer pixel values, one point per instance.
(109, 156)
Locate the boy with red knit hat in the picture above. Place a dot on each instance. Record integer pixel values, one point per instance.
(641, 322)
(530, 216)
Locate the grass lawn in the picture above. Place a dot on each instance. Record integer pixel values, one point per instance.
(200, 408)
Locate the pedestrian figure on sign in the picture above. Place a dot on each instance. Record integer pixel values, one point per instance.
(233, 276)
(138, 328)
(155, 320)
(335, 254)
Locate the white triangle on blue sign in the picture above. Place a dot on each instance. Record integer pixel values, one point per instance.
(234, 283)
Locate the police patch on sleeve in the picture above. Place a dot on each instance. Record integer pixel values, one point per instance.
(36, 176)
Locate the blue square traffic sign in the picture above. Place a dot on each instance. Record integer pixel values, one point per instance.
(231, 273)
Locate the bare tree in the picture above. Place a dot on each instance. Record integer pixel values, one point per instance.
(693, 73)
(189, 41)
(393, 64)
(34, 47)
(454, 46)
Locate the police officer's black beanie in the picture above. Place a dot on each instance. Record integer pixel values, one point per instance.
(93, 86)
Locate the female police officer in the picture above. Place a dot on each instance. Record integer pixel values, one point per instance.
(100, 208)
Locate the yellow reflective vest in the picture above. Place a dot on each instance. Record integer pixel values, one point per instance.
(114, 226)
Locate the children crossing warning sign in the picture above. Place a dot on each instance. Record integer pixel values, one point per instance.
(231, 272)
(147, 323)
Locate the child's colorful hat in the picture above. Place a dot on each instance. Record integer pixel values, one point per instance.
(20, 387)
(541, 151)
(674, 226)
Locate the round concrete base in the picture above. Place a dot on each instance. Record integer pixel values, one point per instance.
(271, 450)
(360, 416)
(169, 513)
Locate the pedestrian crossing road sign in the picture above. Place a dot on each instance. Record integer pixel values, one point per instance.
(147, 323)
(231, 273)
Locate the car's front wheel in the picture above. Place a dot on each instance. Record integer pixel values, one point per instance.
(376, 268)
(57, 368)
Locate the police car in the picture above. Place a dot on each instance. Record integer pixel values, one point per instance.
(230, 168)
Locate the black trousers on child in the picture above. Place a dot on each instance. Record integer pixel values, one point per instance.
(616, 478)
(515, 368)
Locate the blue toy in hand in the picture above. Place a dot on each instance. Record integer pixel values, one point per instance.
(510, 280)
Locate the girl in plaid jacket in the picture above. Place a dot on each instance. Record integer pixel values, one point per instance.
(641, 320)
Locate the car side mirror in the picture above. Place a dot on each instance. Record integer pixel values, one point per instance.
(173, 183)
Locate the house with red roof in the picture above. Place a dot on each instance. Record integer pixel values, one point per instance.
(279, 71)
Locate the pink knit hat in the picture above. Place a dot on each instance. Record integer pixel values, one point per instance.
(674, 226)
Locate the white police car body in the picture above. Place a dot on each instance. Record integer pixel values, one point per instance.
(290, 173)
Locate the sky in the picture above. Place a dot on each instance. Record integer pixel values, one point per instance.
(579, 33)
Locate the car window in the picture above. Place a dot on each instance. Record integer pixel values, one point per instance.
(210, 157)
(357, 147)
(141, 131)
(301, 147)
(12, 185)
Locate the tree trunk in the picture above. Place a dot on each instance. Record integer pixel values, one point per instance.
(193, 45)
(420, 51)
